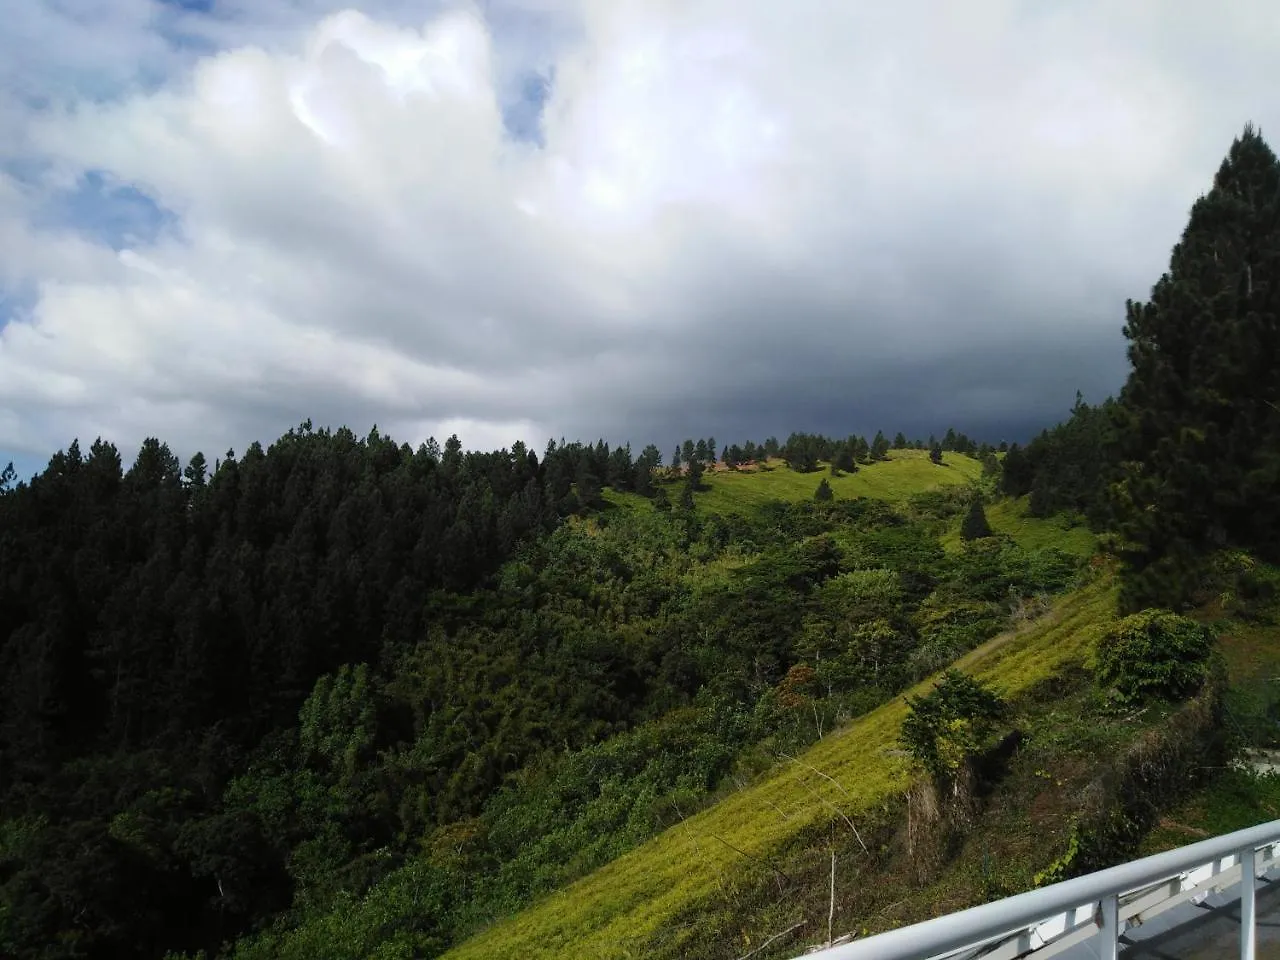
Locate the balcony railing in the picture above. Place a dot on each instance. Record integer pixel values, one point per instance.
(1045, 922)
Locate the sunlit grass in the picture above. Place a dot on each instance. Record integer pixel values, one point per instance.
(905, 473)
(614, 911)
(1009, 516)
(623, 500)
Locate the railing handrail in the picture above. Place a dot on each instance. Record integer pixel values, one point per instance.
(989, 921)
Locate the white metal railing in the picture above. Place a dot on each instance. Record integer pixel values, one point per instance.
(1045, 922)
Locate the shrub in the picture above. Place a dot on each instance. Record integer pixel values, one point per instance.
(948, 726)
(975, 525)
(1154, 652)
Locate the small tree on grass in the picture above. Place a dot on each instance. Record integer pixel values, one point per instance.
(950, 725)
(695, 474)
(686, 496)
(935, 453)
(975, 526)
(944, 732)
(879, 447)
(1155, 652)
(823, 494)
(845, 458)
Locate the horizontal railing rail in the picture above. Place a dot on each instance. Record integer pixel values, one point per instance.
(1043, 922)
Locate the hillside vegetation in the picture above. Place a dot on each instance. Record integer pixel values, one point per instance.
(903, 475)
(446, 654)
(620, 909)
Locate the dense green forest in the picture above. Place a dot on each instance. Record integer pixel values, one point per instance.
(343, 698)
(241, 698)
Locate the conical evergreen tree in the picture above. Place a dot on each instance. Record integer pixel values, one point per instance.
(695, 474)
(1199, 417)
(975, 525)
(686, 496)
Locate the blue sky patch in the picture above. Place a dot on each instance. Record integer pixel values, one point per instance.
(14, 302)
(193, 6)
(107, 212)
(523, 115)
(25, 466)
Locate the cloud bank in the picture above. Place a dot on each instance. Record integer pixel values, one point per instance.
(637, 220)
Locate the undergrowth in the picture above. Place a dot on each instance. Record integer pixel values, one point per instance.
(658, 900)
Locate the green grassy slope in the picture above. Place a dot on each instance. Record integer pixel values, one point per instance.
(616, 910)
(1009, 516)
(904, 474)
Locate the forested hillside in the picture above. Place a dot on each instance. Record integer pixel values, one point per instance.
(343, 698)
(241, 697)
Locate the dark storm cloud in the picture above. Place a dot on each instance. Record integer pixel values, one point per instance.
(701, 219)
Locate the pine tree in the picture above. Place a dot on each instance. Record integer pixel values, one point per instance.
(686, 497)
(935, 454)
(642, 477)
(695, 474)
(879, 447)
(975, 526)
(823, 494)
(1199, 416)
(619, 468)
(845, 457)
(588, 484)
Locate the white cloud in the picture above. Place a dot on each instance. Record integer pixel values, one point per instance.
(731, 195)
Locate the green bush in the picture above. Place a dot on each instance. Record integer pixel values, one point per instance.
(1154, 653)
(950, 725)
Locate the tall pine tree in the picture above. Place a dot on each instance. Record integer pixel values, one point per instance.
(1199, 417)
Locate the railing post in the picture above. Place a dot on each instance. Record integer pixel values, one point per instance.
(1248, 906)
(1108, 946)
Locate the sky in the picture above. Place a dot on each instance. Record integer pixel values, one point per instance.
(639, 220)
